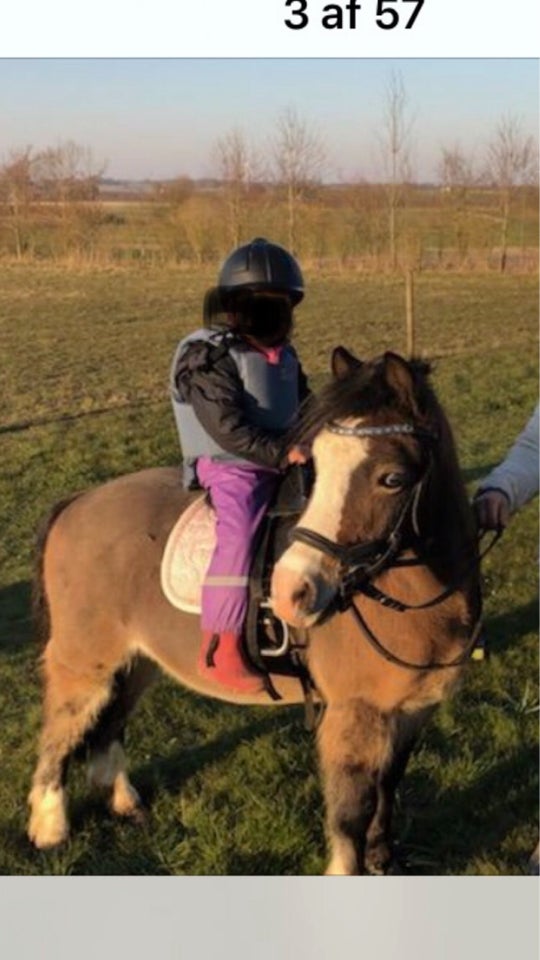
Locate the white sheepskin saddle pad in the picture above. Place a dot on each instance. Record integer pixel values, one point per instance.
(187, 555)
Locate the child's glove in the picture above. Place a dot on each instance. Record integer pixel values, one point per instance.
(298, 454)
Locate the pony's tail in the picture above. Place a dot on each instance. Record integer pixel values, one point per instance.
(40, 606)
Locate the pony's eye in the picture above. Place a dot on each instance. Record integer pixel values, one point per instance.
(394, 480)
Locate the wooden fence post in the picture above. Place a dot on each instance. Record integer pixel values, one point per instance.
(409, 312)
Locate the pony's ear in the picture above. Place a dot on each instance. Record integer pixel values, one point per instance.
(400, 378)
(343, 363)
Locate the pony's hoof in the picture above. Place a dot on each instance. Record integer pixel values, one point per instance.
(126, 802)
(384, 865)
(378, 860)
(47, 831)
(376, 870)
(138, 817)
(45, 839)
(48, 826)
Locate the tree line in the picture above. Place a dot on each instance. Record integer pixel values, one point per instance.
(51, 205)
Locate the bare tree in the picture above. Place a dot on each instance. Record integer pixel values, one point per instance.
(67, 172)
(300, 156)
(67, 176)
(16, 191)
(457, 177)
(240, 168)
(456, 170)
(395, 143)
(511, 162)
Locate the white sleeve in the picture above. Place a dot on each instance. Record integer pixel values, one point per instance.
(517, 475)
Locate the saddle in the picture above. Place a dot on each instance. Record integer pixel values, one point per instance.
(269, 643)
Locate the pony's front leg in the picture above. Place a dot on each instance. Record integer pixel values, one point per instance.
(404, 734)
(353, 744)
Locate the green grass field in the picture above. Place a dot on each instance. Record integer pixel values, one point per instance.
(230, 791)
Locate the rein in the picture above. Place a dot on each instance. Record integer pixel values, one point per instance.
(406, 664)
(362, 562)
(374, 593)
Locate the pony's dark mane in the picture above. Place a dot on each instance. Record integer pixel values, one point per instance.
(366, 391)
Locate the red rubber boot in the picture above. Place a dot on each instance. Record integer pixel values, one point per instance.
(221, 660)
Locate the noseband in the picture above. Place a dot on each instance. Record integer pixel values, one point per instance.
(361, 562)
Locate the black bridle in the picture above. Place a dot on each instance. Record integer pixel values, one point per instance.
(361, 562)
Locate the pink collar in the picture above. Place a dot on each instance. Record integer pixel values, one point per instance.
(272, 354)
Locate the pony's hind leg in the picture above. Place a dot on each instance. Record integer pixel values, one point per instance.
(72, 702)
(107, 769)
(353, 745)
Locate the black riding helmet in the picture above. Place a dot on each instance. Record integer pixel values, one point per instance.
(261, 265)
(255, 266)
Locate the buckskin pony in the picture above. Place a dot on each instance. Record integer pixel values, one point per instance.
(380, 578)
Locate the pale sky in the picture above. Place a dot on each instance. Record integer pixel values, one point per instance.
(161, 118)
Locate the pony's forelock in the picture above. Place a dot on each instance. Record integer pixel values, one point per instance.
(366, 391)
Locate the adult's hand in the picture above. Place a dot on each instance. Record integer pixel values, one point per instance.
(492, 510)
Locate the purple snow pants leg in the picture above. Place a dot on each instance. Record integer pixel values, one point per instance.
(240, 494)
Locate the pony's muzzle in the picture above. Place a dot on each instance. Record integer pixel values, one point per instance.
(299, 594)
